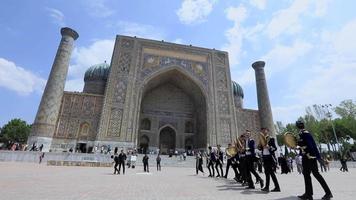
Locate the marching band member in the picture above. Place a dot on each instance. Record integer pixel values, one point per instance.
(250, 159)
(269, 161)
(219, 161)
(211, 161)
(310, 154)
(231, 161)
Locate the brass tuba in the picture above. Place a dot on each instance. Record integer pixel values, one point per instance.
(290, 140)
(231, 151)
(262, 140)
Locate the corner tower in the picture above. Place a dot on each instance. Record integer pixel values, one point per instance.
(44, 126)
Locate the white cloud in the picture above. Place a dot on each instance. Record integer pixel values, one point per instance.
(57, 16)
(288, 20)
(98, 8)
(178, 41)
(333, 79)
(195, 11)
(235, 34)
(18, 79)
(140, 30)
(282, 57)
(260, 4)
(321, 7)
(83, 58)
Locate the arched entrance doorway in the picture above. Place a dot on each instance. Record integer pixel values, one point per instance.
(167, 140)
(172, 96)
(144, 142)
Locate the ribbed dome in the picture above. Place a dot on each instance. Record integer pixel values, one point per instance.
(237, 89)
(97, 72)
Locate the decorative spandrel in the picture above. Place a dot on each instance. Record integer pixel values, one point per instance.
(152, 63)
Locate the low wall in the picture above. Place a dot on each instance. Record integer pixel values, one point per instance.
(101, 160)
(83, 159)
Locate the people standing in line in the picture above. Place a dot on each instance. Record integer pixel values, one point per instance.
(145, 163)
(250, 159)
(219, 161)
(211, 161)
(269, 161)
(122, 158)
(158, 161)
(199, 163)
(310, 155)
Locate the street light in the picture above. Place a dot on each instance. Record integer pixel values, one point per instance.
(329, 115)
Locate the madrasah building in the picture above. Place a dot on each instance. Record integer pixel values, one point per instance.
(153, 95)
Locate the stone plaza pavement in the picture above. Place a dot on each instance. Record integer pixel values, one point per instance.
(33, 181)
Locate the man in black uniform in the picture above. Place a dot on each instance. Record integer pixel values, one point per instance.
(219, 161)
(211, 162)
(310, 155)
(122, 158)
(250, 159)
(269, 161)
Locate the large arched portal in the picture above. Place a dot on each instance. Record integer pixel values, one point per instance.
(167, 141)
(173, 97)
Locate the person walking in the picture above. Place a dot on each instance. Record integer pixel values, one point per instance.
(145, 163)
(310, 155)
(199, 163)
(219, 161)
(158, 160)
(211, 161)
(250, 159)
(269, 161)
(122, 159)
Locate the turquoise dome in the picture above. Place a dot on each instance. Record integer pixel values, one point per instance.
(237, 90)
(97, 72)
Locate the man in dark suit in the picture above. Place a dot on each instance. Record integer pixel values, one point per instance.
(250, 159)
(145, 163)
(269, 161)
(211, 161)
(310, 155)
(219, 161)
(122, 159)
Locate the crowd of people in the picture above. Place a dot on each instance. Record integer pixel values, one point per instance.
(245, 161)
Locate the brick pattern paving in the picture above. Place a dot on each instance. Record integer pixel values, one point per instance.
(33, 181)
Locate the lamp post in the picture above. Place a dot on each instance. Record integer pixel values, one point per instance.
(329, 115)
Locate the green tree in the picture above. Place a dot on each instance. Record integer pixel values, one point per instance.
(346, 109)
(16, 130)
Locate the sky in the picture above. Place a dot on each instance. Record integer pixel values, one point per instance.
(308, 45)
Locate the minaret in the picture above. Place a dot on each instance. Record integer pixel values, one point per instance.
(44, 126)
(264, 105)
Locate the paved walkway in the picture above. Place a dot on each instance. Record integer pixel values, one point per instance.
(33, 181)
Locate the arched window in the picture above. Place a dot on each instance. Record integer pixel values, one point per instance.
(189, 127)
(84, 129)
(146, 124)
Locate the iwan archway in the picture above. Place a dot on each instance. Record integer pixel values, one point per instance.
(175, 105)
